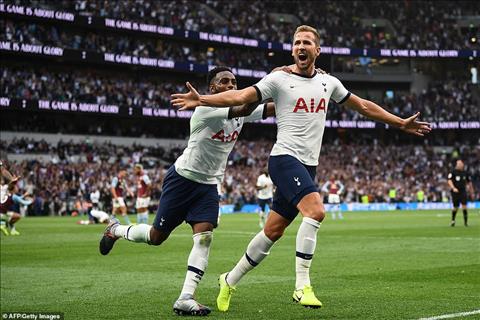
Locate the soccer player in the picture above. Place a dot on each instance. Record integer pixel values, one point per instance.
(118, 187)
(7, 217)
(301, 99)
(95, 215)
(458, 181)
(334, 189)
(264, 194)
(9, 210)
(190, 187)
(143, 194)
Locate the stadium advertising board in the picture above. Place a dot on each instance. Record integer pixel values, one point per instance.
(112, 58)
(349, 207)
(7, 103)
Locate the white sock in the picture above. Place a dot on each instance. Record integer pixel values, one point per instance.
(257, 250)
(197, 263)
(306, 242)
(142, 217)
(135, 233)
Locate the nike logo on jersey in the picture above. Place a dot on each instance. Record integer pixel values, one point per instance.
(297, 180)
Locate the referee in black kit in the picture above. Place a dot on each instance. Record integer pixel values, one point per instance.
(458, 181)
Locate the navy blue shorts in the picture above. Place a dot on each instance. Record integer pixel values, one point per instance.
(293, 180)
(263, 204)
(185, 200)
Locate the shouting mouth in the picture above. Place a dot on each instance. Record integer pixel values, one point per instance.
(302, 56)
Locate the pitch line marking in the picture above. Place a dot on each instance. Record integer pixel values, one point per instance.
(452, 315)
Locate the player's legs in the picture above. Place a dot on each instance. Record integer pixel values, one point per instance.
(142, 209)
(171, 212)
(456, 204)
(313, 211)
(13, 217)
(463, 201)
(123, 211)
(257, 250)
(142, 215)
(339, 211)
(262, 213)
(203, 217)
(196, 266)
(3, 224)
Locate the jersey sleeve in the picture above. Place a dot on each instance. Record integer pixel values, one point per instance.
(267, 87)
(342, 187)
(20, 200)
(205, 113)
(259, 181)
(257, 114)
(340, 93)
(325, 187)
(450, 176)
(146, 179)
(114, 182)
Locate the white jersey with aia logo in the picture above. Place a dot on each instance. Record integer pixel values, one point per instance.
(212, 137)
(301, 108)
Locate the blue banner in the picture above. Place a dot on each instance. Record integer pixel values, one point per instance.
(383, 206)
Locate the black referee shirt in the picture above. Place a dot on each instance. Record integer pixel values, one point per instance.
(459, 179)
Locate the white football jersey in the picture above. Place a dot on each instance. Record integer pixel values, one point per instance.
(265, 193)
(301, 108)
(4, 193)
(95, 197)
(212, 137)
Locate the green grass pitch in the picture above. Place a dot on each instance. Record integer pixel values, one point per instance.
(401, 265)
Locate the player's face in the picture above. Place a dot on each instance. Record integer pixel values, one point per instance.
(122, 173)
(223, 81)
(304, 49)
(460, 165)
(138, 171)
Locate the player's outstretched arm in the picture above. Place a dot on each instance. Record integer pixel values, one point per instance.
(247, 109)
(373, 111)
(230, 98)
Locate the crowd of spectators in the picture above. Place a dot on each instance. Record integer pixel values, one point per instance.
(90, 86)
(201, 53)
(75, 169)
(443, 101)
(365, 170)
(409, 24)
(61, 182)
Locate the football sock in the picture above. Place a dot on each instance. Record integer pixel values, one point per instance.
(142, 217)
(465, 216)
(257, 250)
(197, 263)
(127, 220)
(135, 233)
(454, 214)
(306, 242)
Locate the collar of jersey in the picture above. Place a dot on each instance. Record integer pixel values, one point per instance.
(304, 76)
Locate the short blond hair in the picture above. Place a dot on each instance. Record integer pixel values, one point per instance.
(305, 28)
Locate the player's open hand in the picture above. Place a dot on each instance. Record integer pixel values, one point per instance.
(418, 128)
(185, 101)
